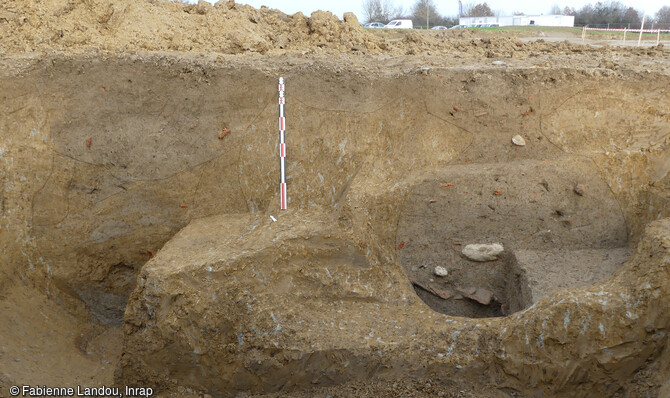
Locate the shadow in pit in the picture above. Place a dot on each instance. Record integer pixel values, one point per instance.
(502, 290)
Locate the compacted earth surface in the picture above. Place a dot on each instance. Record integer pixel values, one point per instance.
(470, 214)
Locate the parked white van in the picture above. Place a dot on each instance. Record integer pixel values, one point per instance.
(400, 24)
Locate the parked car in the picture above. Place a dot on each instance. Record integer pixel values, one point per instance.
(459, 27)
(439, 27)
(400, 24)
(373, 25)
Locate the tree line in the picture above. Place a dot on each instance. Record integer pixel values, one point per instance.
(421, 13)
(610, 12)
(614, 13)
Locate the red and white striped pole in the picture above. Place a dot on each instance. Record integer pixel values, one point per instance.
(282, 145)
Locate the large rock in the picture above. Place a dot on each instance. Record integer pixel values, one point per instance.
(483, 251)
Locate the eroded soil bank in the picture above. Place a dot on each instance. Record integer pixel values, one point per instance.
(105, 158)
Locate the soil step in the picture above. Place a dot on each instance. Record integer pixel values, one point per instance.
(551, 270)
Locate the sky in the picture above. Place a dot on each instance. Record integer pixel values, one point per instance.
(445, 7)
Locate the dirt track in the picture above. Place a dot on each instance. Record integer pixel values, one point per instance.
(138, 247)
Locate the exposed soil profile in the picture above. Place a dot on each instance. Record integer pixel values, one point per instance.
(143, 245)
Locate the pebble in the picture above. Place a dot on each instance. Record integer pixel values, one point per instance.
(483, 251)
(440, 271)
(518, 140)
(579, 189)
(499, 63)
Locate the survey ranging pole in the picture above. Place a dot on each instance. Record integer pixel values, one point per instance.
(282, 145)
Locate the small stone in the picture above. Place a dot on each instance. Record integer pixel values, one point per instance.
(518, 140)
(501, 63)
(579, 189)
(483, 252)
(440, 271)
(482, 296)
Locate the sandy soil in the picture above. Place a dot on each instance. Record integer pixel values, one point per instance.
(400, 154)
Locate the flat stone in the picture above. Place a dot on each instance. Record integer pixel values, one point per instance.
(443, 294)
(482, 296)
(483, 251)
(468, 291)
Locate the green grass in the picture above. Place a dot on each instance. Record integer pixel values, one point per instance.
(538, 29)
(576, 31)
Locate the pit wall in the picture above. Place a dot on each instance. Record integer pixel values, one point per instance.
(105, 158)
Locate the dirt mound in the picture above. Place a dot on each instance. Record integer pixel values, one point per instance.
(126, 25)
(229, 28)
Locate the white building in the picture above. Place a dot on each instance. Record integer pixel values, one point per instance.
(521, 20)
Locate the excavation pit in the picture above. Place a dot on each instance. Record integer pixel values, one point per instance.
(128, 192)
(529, 206)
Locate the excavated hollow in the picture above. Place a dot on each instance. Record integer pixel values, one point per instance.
(135, 204)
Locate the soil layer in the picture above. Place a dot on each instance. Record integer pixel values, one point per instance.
(138, 247)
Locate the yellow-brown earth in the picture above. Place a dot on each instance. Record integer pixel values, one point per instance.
(138, 247)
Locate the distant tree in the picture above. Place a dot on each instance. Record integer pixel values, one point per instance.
(423, 10)
(555, 10)
(602, 13)
(632, 16)
(447, 21)
(584, 15)
(480, 10)
(518, 13)
(380, 10)
(467, 8)
(450, 21)
(569, 11)
(663, 16)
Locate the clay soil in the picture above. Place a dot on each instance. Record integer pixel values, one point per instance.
(137, 243)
